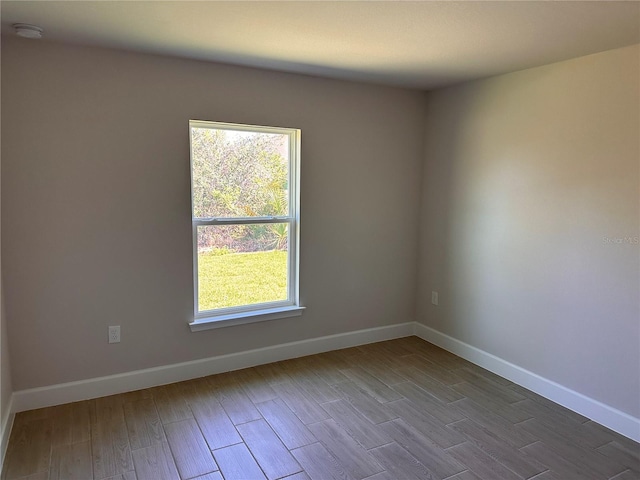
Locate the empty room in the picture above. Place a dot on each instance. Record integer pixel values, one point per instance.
(316, 240)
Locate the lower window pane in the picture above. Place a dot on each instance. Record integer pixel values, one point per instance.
(242, 265)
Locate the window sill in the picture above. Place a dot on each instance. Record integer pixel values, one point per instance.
(221, 321)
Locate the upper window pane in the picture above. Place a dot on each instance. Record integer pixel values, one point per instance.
(238, 173)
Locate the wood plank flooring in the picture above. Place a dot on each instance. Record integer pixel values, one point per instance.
(401, 409)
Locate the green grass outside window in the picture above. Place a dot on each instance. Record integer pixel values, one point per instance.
(234, 279)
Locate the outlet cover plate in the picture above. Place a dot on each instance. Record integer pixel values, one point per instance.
(114, 334)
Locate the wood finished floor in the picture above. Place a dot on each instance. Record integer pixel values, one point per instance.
(402, 409)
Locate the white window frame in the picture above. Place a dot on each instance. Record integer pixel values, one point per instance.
(222, 317)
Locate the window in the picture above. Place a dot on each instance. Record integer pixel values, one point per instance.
(245, 217)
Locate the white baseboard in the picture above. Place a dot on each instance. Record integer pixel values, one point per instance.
(152, 377)
(6, 423)
(97, 387)
(599, 412)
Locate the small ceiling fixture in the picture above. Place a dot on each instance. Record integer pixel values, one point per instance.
(27, 31)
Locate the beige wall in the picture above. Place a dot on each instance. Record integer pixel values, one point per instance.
(525, 174)
(96, 214)
(5, 371)
(5, 368)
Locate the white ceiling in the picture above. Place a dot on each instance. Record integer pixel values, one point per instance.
(420, 44)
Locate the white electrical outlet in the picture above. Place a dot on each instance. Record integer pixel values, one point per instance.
(114, 334)
(434, 298)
